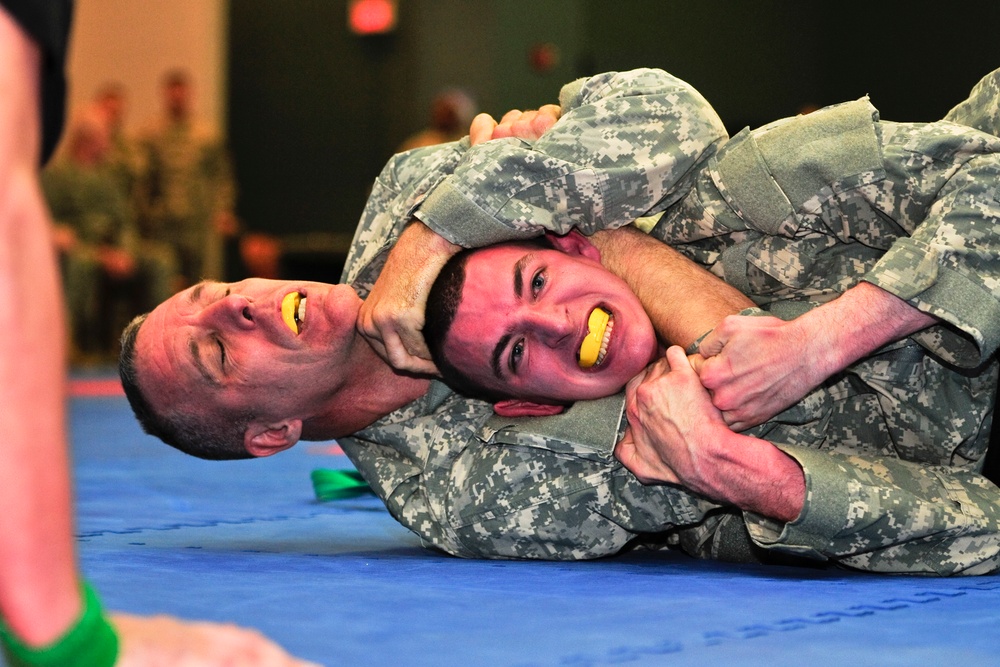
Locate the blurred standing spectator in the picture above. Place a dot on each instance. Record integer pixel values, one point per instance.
(124, 157)
(187, 192)
(103, 261)
(452, 111)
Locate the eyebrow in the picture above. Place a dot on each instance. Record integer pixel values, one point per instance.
(200, 365)
(498, 349)
(196, 292)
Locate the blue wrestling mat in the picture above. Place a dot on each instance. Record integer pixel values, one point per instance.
(341, 583)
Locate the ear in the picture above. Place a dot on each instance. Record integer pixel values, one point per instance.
(512, 407)
(266, 439)
(575, 243)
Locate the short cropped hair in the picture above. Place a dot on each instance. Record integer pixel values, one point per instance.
(439, 315)
(219, 439)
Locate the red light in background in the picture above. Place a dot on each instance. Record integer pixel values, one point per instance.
(371, 17)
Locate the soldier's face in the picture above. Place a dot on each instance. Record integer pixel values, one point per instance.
(274, 349)
(178, 98)
(524, 317)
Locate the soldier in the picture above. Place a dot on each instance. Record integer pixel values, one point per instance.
(124, 156)
(250, 368)
(104, 262)
(187, 193)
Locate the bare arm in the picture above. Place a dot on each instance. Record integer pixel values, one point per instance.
(39, 586)
(683, 300)
(39, 590)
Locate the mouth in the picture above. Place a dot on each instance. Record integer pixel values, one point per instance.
(594, 347)
(293, 311)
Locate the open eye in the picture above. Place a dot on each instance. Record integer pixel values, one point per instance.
(516, 352)
(537, 282)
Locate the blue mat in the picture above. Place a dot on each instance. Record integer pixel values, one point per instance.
(343, 583)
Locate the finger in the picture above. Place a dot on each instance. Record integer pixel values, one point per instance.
(545, 118)
(481, 129)
(678, 360)
(711, 344)
(550, 110)
(636, 381)
(697, 363)
(625, 452)
(510, 116)
(657, 369)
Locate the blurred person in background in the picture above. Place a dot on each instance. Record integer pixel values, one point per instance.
(452, 111)
(104, 263)
(187, 192)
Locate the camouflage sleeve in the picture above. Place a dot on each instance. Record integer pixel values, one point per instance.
(949, 266)
(403, 183)
(624, 142)
(981, 109)
(887, 515)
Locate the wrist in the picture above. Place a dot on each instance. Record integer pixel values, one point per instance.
(90, 642)
(754, 475)
(857, 323)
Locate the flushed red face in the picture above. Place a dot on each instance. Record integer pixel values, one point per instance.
(224, 349)
(524, 316)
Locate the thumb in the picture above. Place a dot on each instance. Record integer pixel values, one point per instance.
(678, 359)
(697, 362)
(625, 449)
(711, 344)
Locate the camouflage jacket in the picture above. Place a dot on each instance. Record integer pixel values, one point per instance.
(641, 144)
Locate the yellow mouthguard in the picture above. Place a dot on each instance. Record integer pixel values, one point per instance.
(289, 305)
(591, 346)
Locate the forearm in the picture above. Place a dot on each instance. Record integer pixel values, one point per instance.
(856, 324)
(682, 299)
(749, 473)
(39, 591)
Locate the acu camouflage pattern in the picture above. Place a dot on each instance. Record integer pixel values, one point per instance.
(890, 448)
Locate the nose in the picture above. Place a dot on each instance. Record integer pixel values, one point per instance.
(231, 310)
(551, 325)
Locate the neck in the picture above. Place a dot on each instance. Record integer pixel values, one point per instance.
(373, 390)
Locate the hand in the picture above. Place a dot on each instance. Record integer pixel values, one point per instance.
(755, 367)
(392, 317)
(529, 125)
(677, 436)
(670, 418)
(163, 641)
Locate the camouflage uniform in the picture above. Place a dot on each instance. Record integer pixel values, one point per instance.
(187, 181)
(89, 201)
(887, 490)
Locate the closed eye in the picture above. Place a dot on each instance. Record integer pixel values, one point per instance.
(222, 353)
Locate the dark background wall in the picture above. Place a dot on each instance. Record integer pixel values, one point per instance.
(315, 111)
